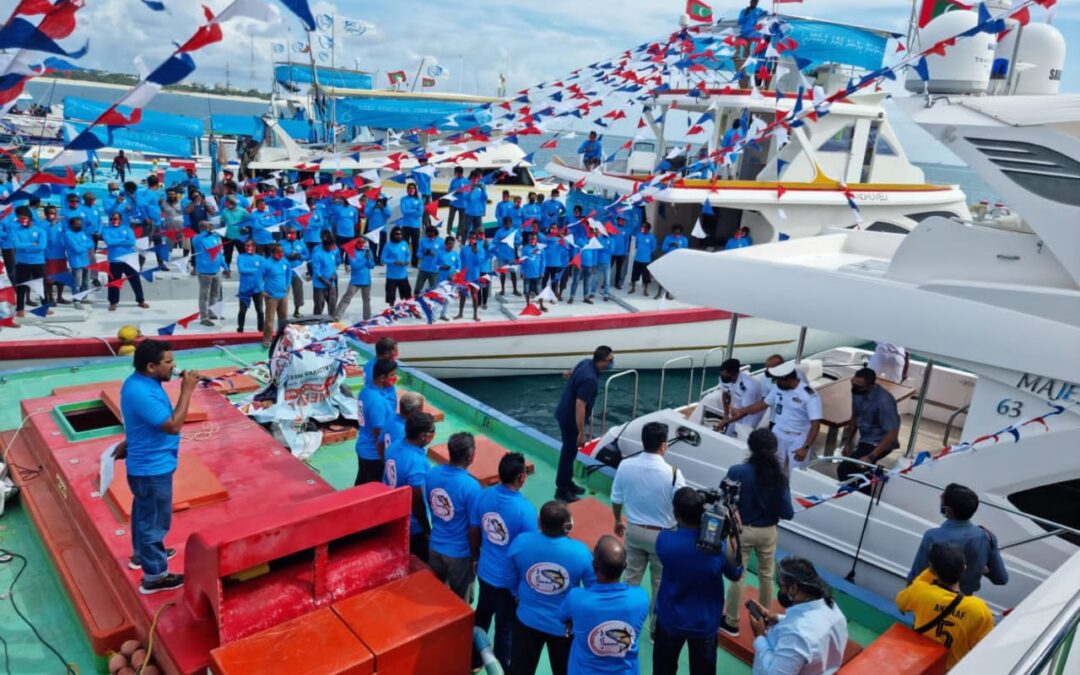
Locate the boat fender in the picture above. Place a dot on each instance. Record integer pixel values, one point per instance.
(487, 655)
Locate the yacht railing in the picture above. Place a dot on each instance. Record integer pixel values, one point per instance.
(663, 375)
(607, 385)
(1050, 654)
(916, 420)
(705, 367)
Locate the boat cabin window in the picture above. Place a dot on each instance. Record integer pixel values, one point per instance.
(883, 146)
(1055, 501)
(644, 146)
(923, 215)
(840, 141)
(880, 226)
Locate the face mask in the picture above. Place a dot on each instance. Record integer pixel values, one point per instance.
(278, 255)
(392, 380)
(24, 221)
(114, 192)
(75, 228)
(727, 379)
(611, 363)
(290, 236)
(943, 512)
(784, 599)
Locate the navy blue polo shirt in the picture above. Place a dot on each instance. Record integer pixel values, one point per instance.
(760, 506)
(875, 414)
(582, 385)
(690, 602)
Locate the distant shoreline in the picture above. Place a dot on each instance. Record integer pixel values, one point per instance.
(108, 85)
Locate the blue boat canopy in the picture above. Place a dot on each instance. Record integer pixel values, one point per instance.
(152, 122)
(409, 114)
(127, 138)
(292, 74)
(250, 125)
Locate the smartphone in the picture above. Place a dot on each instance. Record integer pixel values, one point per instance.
(755, 610)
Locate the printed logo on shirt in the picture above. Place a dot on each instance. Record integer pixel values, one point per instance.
(360, 411)
(612, 638)
(495, 529)
(547, 578)
(391, 473)
(441, 504)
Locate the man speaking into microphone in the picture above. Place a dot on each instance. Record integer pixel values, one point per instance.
(150, 446)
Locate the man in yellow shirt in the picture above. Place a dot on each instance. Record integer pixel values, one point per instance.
(942, 612)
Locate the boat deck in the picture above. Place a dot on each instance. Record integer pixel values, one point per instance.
(41, 596)
(173, 296)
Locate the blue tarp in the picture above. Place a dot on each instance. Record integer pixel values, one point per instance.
(250, 125)
(831, 43)
(296, 74)
(408, 114)
(133, 139)
(819, 43)
(85, 110)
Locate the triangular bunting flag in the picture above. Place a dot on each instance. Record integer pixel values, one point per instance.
(698, 232)
(530, 310)
(187, 320)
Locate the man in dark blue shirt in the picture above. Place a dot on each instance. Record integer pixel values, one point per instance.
(150, 446)
(548, 564)
(607, 618)
(981, 554)
(690, 604)
(572, 413)
(874, 415)
(764, 500)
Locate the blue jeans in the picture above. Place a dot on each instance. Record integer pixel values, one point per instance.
(600, 275)
(498, 604)
(151, 517)
(581, 275)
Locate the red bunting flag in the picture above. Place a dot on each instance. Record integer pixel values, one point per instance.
(432, 209)
(576, 261)
(780, 190)
(114, 118)
(188, 319)
(59, 22)
(31, 7)
(102, 266)
(214, 251)
(303, 220)
(531, 310)
(350, 248)
(117, 283)
(45, 178)
(7, 294)
(549, 145)
(694, 130)
(206, 35)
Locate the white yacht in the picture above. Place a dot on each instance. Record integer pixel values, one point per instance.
(999, 305)
(792, 184)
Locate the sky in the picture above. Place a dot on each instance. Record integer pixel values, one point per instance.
(475, 40)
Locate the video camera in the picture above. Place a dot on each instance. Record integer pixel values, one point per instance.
(718, 522)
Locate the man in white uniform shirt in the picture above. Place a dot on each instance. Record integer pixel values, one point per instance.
(643, 489)
(797, 415)
(768, 383)
(741, 391)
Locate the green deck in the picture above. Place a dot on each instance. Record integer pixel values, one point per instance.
(41, 596)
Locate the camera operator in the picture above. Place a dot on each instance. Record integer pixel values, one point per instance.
(764, 498)
(644, 487)
(690, 604)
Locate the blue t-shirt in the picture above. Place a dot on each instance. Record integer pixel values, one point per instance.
(373, 412)
(690, 602)
(324, 266)
(78, 246)
(360, 266)
(607, 621)
(451, 493)
(412, 212)
(451, 260)
(501, 514)
(396, 258)
(277, 275)
(144, 407)
(644, 246)
(547, 568)
(406, 465)
(428, 254)
(459, 198)
(583, 383)
(394, 430)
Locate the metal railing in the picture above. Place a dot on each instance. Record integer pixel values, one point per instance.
(663, 375)
(916, 421)
(607, 385)
(705, 368)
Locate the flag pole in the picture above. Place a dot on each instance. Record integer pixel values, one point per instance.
(419, 68)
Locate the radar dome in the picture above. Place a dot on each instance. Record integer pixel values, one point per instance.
(965, 68)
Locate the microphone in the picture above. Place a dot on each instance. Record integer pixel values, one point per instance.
(176, 372)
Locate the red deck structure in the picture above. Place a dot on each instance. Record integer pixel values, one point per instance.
(268, 542)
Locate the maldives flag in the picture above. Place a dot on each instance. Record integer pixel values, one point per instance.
(396, 77)
(931, 9)
(698, 11)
